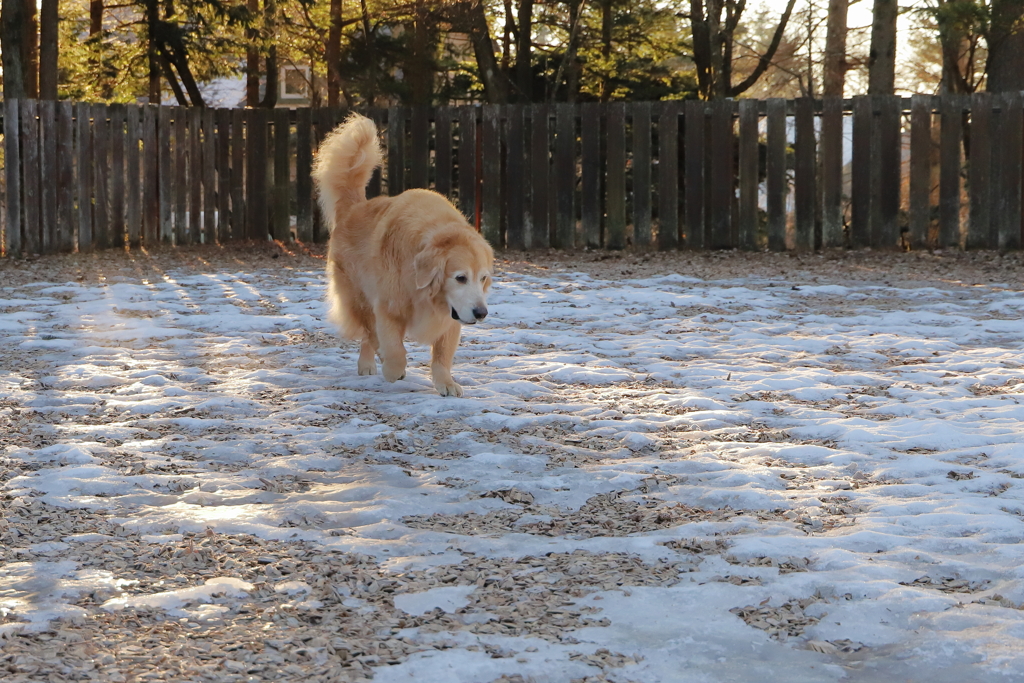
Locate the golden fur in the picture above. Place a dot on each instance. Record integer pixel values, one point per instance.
(399, 267)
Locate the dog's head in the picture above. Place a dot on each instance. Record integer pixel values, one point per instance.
(456, 265)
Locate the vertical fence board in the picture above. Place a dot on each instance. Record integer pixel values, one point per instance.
(116, 181)
(419, 148)
(83, 114)
(467, 171)
(515, 233)
(490, 175)
(181, 188)
(832, 173)
(694, 130)
(239, 226)
(222, 119)
(443, 151)
(538, 231)
(748, 172)
(564, 185)
(1010, 150)
(979, 167)
(373, 188)
(165, 198)
(775, 171)
(133, 183)
(396, 150)
(303, 180)
(101, 224)
(590, 174)
(804, 175)
(48, 174)
(65, 177)
(209, 159)
(920, 169)
(615, 177)
(721, 190)
(861, 180)
(32, 227)
(642, 174)
(950, 144)
(12, 176)
(668, 175)
(281, 209)
(194, 118)
(888, 166)
(256, 174)
(152, 172)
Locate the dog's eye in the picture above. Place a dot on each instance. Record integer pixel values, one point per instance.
(461, 279)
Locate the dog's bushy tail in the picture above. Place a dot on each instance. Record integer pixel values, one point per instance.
(344, 164)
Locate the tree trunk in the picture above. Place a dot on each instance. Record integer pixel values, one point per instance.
(834, 76)
(13, 18)
(48, 18)
(252, 58)
(882, 57)
(1005, 65)
(606, 48)
(334, 54)
(270, 21)
(524, 52)
(490, 72)
(371, 55)
(30, 49)
(768, 56)
(420, 71)
(152, 52)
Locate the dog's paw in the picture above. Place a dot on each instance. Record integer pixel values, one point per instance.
(393, 373)
(449, 388)
(368, 368)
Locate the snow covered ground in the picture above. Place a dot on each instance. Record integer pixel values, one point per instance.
(759, 478)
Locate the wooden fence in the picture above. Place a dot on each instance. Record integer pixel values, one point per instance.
(882, 172)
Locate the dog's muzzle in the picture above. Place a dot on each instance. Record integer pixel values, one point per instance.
(479, 313)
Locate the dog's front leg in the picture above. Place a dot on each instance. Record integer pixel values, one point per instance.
(442, 354)
(390, 333)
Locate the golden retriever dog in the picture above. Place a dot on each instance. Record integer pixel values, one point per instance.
(399, 267)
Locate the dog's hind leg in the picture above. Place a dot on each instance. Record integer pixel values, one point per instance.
(368, 349)
(390, 334)
(442, 354)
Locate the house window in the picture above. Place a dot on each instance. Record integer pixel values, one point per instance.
(294, 83)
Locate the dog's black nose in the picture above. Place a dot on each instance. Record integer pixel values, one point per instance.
(480, 312)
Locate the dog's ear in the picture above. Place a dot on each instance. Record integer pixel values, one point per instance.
(428, 267)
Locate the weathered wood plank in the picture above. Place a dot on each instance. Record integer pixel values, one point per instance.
(133, 183)
(182, 150)
(256, 173)
(209, 158)
(590, 174)
(832, 173)
(538, 230)
(804, 176)
(721, 190)
(490, 166)
(48, 174)
(615, 177)
(195, 174)
(950, 145)
(281, 210)
(396, 150)
(515, 156)
(920, 170)
(861, 176)
(419, 148)
(668, 175)
(443, 151)
(116, 112)
(775, 170)
(642, 174)
(238, 225)
(31, 231)
(303, 179)
(222, 137)
(101, 223)
(1010, 151)
(151, 155)
(165, 202)
(888, 169)
(564, 185)
(65, 177)
(12, 177)
(467, 165)
(748, 175)
(979, 169)
(695, 127)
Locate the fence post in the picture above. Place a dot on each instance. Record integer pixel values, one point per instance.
(776, 174)
(748, 157)
(396, 150)
(490, 175)
(443, 151)
(153, 173)
(642, 174)
(979, 167)
(949, 170)
(133, 206)
(303, 181)
(65, 177)
(515, 233)
(281, 210)
(615, 177)
(166, 195)
(721, 150)
(694, 127)
(49, 240)
(467, 169)
(920, 169)
(1009, 156)
(886, 167)
(832, 172)
(861, 181)
(32, 227)
(668, 175)
(12, 174)
(804, 180)
(538, 234)
(564, 235)
(590, 178)
(116, 185)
